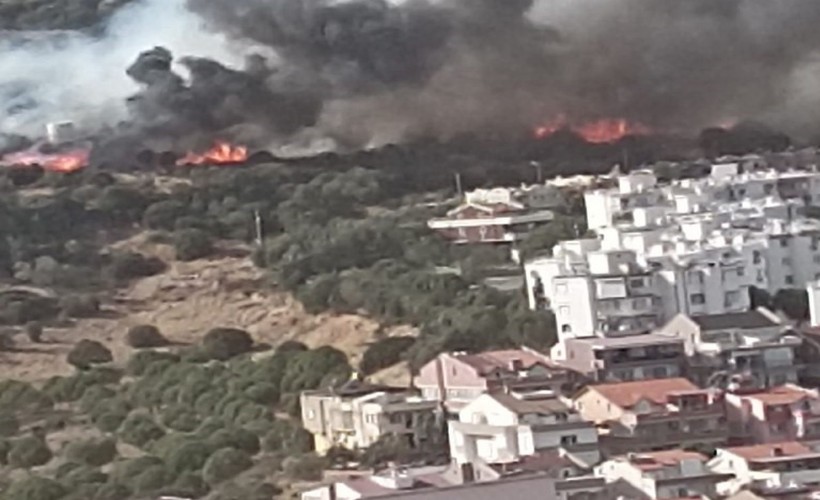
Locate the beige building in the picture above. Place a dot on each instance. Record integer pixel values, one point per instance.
(651, 415)
(356, 415)
(660, 475)
(750, 347)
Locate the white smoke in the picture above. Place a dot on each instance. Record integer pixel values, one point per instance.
(55, 76)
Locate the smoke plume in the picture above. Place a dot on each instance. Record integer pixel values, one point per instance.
(367, 72)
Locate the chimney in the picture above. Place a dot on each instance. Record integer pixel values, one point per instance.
(777, 451)
(516, 365)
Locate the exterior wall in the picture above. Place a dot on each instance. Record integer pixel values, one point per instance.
(573, 307)
(752, 422)
(593, 407)
(447, 379)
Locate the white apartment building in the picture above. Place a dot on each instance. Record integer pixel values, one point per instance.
(773, 464)
(694, 247)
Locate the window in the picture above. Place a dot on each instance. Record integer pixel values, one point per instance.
(636, 282)
(757, 258)
(784, 242)
(695, 277)
(731, 298)
(673, 426)
(816, 259)
(569, 440)
(660, 372)
(566, 329)
(697, 299)
(741, 272)
(789, 280)
(787, 261)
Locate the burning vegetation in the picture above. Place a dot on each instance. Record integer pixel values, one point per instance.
(223, 153)
(604, 131)
(64, 161)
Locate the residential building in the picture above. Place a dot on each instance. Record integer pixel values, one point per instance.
(785, 413)
(753, 346)
(700, 245)
(380, 484)
(661, 475)
(614, 359)
(357, 414)
(769, 465)
(455, 379)
(504, 428)
(651, 415)
(499, 215)
(531, 487)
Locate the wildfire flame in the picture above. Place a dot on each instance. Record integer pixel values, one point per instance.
(222, 153)
(64, 162)
(602, 131)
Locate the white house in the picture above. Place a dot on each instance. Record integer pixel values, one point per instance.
(772, 464)
(508, 427)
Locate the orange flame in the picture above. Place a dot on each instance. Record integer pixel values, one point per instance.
(603, 131)
(222, 153)
(64, 162)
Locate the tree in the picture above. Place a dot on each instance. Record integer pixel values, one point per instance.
(130, 265)
(225, 464)
(9, 425)
(794, 303)
(226, 343)
(35, 488)
(384, 353)
(189, 457)
(88, 352)
(94, 452)
(306, 467)
(139, 429)
(151, 480)
(288, 438)
(145, 337)
(29, 452)
(112, 491)
(192, 244)
(34, 331)
(233, 437)
(306, 370)
(388, 448)
(140, 362)
(80, 306)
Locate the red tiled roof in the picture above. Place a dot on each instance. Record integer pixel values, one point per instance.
(758, 451)
(486, 362)
(660, 459)
(628, 394)
(783, 395)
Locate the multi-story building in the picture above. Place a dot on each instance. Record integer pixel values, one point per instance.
(700, 244)
(504, 428)
(356, 415)
(613, 359)
(651, 415)
(671, 474)
(752, 347)
(455, 379)
(785, 413)
(785, 464)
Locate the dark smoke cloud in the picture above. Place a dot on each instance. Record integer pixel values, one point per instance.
(367, 72)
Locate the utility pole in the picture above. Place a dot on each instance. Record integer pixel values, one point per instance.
(260, 239)
(539, 177)
(459, 189)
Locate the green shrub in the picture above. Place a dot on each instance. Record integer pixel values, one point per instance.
(180, 418)
(29, 452)
(225, 464)
(65, 469)
(89, 352)
(85, 491)
(5, 448)
(188, 485)
(264, 393)
(93, 396)
(151, 480)
(23, 398)
(236, 438)
(225, 343)
(94, 452)
(122, 472)
(286, 437)
(384, 354)
(112, 491)
(307, 467)
(9, 425)
(83, 475)
(34, 331)
(80, 306)
(189, 457)
(35, 488)
(192, 244)
(140, 361)
(139, 429)
(145, 337)
(129, 265)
